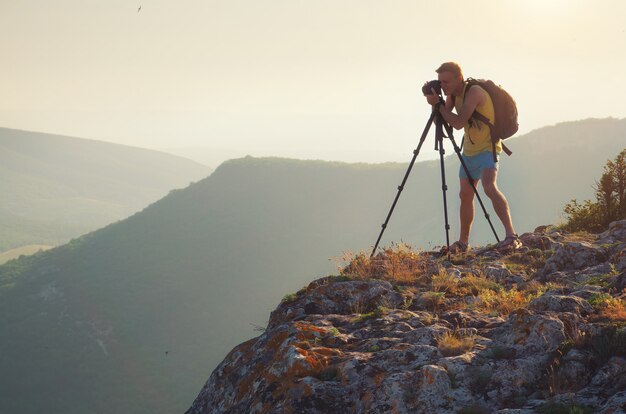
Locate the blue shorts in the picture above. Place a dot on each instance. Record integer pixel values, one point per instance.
(476, 164)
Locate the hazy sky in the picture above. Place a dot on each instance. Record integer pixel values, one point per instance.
(335, 79)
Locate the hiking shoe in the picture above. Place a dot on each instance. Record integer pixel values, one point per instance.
(455, 248)
(509, 243)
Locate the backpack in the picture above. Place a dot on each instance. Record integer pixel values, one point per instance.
(505, 111)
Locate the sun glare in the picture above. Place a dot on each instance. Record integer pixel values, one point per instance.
(547, 6)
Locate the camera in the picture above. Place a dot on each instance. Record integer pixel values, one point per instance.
(433, 84)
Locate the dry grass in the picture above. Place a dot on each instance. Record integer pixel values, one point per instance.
(608, 308)
(438, 288)
(615, 311)
(444, 282)
(434, 300)
(398, 264)
(528, 262)
(454, 343)
(581, 236)
(473, 285)
(537, 289)
(359, 306)
(503, 302)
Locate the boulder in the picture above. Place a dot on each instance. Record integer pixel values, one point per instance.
(615, 233)
(327, 296)
(530, 334)
(560, 303)
(574, 256)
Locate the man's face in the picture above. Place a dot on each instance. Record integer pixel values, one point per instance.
(449, 82)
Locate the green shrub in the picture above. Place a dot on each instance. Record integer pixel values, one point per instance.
(290, 297)
(379, 312)
(610, 204)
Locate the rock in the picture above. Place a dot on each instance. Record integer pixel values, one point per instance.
(541, 229)
(615, 405)
(560, 303)
(433, 385)
(431, 301)
(455, 272)
(554, 277)
(598, 270)
(571, 375)
(529, 333)
(362, 346)
(615, 233)
(619, 283)
(497, 271)
(427, 335)
(619, 258)
(345, 297)
(510, 376)
(615, 368)
(577, 355)
(587, 292)
(574, 256)
(538, 241)
(471, 319)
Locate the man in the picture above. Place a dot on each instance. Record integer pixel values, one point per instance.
(477, 151)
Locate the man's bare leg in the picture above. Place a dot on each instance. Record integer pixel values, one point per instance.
(466, 212)
(500, 204)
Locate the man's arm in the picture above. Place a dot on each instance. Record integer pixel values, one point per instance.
(474, 97)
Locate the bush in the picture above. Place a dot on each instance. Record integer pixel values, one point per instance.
(610, 204)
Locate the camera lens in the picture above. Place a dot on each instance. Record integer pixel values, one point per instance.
(430, 85)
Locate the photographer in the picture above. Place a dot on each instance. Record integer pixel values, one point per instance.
(477, 151)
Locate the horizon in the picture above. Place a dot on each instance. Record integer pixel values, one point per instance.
(306, 80)
(449, 151)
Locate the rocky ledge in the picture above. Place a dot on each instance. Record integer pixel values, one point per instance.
(538, 330)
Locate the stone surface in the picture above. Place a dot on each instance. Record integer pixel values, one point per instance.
(575, 256)
(344, 345)
(561, 303)
(615, 233)
(615, 405)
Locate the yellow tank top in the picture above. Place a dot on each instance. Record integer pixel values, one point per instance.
(477, 134)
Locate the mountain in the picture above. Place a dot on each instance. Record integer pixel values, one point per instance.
(538, 329)
(24, 250)
(56, 187)
(130, 318)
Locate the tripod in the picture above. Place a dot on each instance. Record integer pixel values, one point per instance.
(440, 124)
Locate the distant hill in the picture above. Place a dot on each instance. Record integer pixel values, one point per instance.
(130, 318)
(56, 187)
(19, 251)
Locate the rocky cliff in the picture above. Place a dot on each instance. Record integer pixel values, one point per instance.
(537, 330)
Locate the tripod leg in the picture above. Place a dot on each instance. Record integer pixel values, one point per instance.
(444, 186)
(406, 176)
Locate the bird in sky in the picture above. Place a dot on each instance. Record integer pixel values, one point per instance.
(139, 9)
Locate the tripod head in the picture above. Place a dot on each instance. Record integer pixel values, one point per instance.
(440, 125)
(430, 89)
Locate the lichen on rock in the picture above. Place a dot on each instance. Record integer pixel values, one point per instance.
(500, 332)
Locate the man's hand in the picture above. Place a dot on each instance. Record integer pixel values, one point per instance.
(449, 103)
